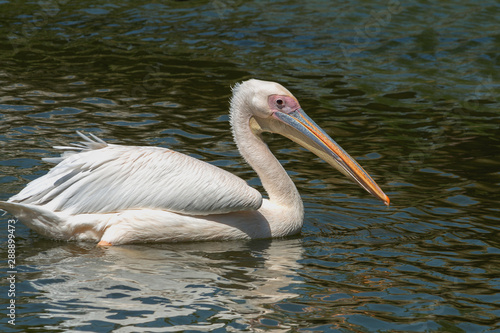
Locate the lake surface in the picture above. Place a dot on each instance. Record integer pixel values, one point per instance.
(410, 89)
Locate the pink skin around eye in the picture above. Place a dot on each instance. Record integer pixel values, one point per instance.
(288, 104)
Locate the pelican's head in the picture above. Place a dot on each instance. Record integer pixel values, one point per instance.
(274, 109)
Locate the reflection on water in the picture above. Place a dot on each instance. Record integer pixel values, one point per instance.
(145, 288)
(409, 89)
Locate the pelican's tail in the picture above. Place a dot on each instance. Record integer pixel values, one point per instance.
(35, 217)
(89, 143)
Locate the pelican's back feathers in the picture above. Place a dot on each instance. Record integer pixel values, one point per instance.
(95, 177)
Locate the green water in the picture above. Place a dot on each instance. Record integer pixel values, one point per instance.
(410, 89)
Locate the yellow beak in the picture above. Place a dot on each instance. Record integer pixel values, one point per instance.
(297, 126)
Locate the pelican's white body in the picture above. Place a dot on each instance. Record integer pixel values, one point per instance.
(126, 194)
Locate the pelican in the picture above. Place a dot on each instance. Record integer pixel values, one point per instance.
(113, 194)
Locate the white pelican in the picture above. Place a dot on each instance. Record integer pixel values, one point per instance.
(114, 194)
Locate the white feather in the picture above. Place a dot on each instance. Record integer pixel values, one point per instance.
(104, 178)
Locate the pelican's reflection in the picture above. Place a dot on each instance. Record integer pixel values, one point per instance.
(151, 287)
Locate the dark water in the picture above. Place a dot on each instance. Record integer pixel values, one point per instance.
(410, 89)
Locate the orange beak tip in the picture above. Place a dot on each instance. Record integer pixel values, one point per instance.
(387, 201)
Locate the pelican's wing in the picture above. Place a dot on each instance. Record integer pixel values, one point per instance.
(104, 178)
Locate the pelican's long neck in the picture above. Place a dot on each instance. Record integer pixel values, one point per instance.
(276, 182)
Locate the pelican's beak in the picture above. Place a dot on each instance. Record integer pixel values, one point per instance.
(297, 126)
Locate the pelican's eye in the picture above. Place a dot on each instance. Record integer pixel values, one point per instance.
(280, 103)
